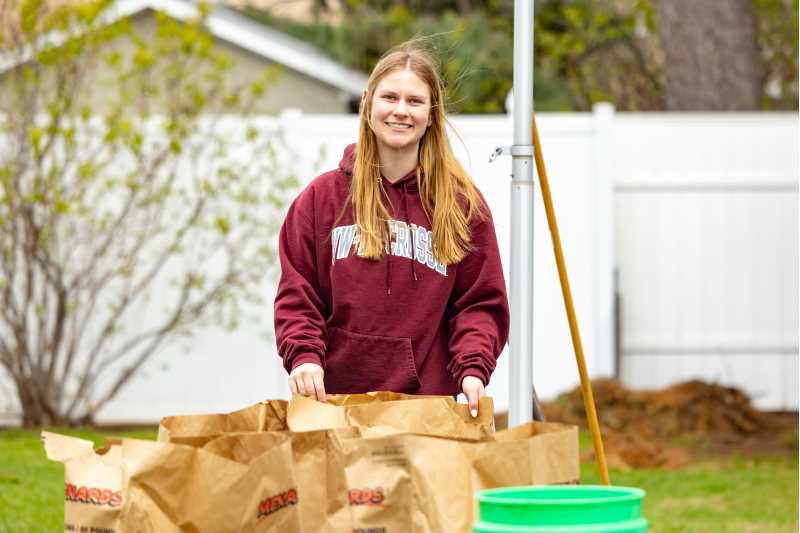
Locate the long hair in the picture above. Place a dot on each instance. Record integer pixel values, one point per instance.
(449, 197)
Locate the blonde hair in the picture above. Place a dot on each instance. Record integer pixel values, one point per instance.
(446, 191)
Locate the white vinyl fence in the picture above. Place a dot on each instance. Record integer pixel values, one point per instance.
(705, 210)
(693, 218)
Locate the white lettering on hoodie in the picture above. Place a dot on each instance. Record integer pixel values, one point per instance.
(407, 240)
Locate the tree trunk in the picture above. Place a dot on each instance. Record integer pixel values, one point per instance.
(710, 55)
(39, 408)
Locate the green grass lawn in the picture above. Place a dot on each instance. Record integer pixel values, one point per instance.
(31, 486)
(738, 494)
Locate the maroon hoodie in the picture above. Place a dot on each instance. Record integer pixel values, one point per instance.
(405, 323)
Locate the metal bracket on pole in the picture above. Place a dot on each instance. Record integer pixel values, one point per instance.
(516, 150)
(500, 150)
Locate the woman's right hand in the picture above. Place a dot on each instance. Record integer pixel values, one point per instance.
(306, 379)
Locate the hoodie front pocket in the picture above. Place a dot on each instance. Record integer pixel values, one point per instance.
(357, 363)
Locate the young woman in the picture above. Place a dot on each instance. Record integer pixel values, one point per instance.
(390, 273)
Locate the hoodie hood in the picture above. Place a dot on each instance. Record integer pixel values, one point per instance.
(348, 159)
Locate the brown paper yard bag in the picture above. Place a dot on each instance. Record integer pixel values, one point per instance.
(196, 430)
(175, 488)
(318, 467)
(93, 491)
(407, 483)
(536, 453)
(145, 486)
(424, 415)
(375, 397)
(427, 484)
(324, 480)
(245, 447)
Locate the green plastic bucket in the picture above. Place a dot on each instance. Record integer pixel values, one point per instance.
(561, 508)
(638, 525)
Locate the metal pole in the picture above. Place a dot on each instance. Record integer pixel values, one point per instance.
(520, 407)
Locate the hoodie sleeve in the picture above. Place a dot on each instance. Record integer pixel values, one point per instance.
(478, 310)
(299, 308)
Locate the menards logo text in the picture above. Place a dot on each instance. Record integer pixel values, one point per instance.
(93, 495)
(366, 496)
(269, 505)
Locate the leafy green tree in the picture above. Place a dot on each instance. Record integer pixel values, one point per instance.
(622, 50)
(133, 211)
(777, 38)
(603, 50)
(575, 42)
(585, 50)
(475, 52)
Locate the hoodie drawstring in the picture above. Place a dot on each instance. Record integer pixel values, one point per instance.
(388, 244)
(402, 215)
(389, 275)
(405, 215)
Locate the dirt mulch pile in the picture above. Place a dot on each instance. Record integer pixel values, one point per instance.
(670, 427)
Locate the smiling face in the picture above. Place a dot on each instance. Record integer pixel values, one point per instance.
(400, 111)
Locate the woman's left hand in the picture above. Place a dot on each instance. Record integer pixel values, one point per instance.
(474, 390)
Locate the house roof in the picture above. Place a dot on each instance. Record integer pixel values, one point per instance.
(228, 25)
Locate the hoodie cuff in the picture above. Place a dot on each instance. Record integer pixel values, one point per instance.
(471, 364)
(307, 357)
(476, 372)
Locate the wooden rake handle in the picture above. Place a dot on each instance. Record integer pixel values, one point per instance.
(586, 386)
